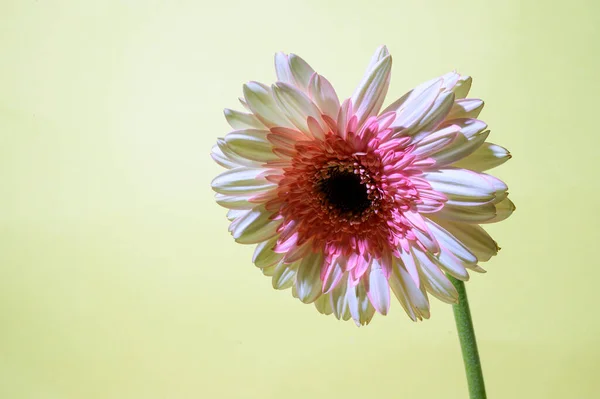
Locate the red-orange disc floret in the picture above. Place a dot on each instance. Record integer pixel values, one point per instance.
(373, 226)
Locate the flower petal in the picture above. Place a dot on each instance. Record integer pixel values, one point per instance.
(241, 180)
(462, 87)
(339, 303)
(296, 106)
(459, 149)
(486, 157)
(308, 279)
(344, 117)
(380, 53)
(413, 106)
(411, 297)
(226, 152)
(282, 69)
(408, 261)
(466, 212)
(220, 158)
(436, 141)
(473, 237)
(234, 214)
(264, 255)
(284, 275)
(378, 289)
(254, 227)
(450, 243)
(324, 96)
(500, 188)
(466, 108)
(242, 120)
(301, 71)
(504, 209)
(469, 127)
(434, 280)
(370, 93)
(333, 276)
(323, 305)
(434, 116)
(269, 270)
(260, 100)
(450, 264)
(461, 185)
(360, 307)
(251, 144)
(234, 201)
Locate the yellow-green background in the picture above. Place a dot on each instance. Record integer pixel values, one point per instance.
(118, 278)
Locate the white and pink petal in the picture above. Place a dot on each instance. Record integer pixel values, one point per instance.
(308, 278)
(370, 93)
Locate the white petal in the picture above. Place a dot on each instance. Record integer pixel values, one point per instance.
(461, 185)
(220, 158)
(251, 144)
(255, 226)
(380, 53)
(234, 214)
(436, 141)
(500, 188)
(378, 289)
(408, 261)
(234, 158)
(469, 127)
(504, 209)
(413, 106)
(296, 106)
(242, 120)
(244, 104)
(466, 212)
(234, 201)
(421, 231)
(459, 149)
(333, 277)
(486, 157)
(260, 100)
(269, 270)
(411, 297)
(284, 275)
(301, 71)
(298, 252)
(370, 93)
(450, 264)
(462, 87)
(415, 93)
(343, 118)
(264, 255)
(241, 180)
(434, 116)
(323, 304)
(308, 279)
(360, 307)
(450, 243)
(466, 108)
(282, 68)
(339, 304)
(435, 281)
(473, 237)
(450, 81)
(324, 96)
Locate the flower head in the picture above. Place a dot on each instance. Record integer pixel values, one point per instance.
(347, 203)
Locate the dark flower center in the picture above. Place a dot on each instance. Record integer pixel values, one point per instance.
(344, 191)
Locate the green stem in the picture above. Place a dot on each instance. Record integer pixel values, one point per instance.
(468, 344)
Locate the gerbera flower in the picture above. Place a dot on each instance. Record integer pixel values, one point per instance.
(347, 202)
